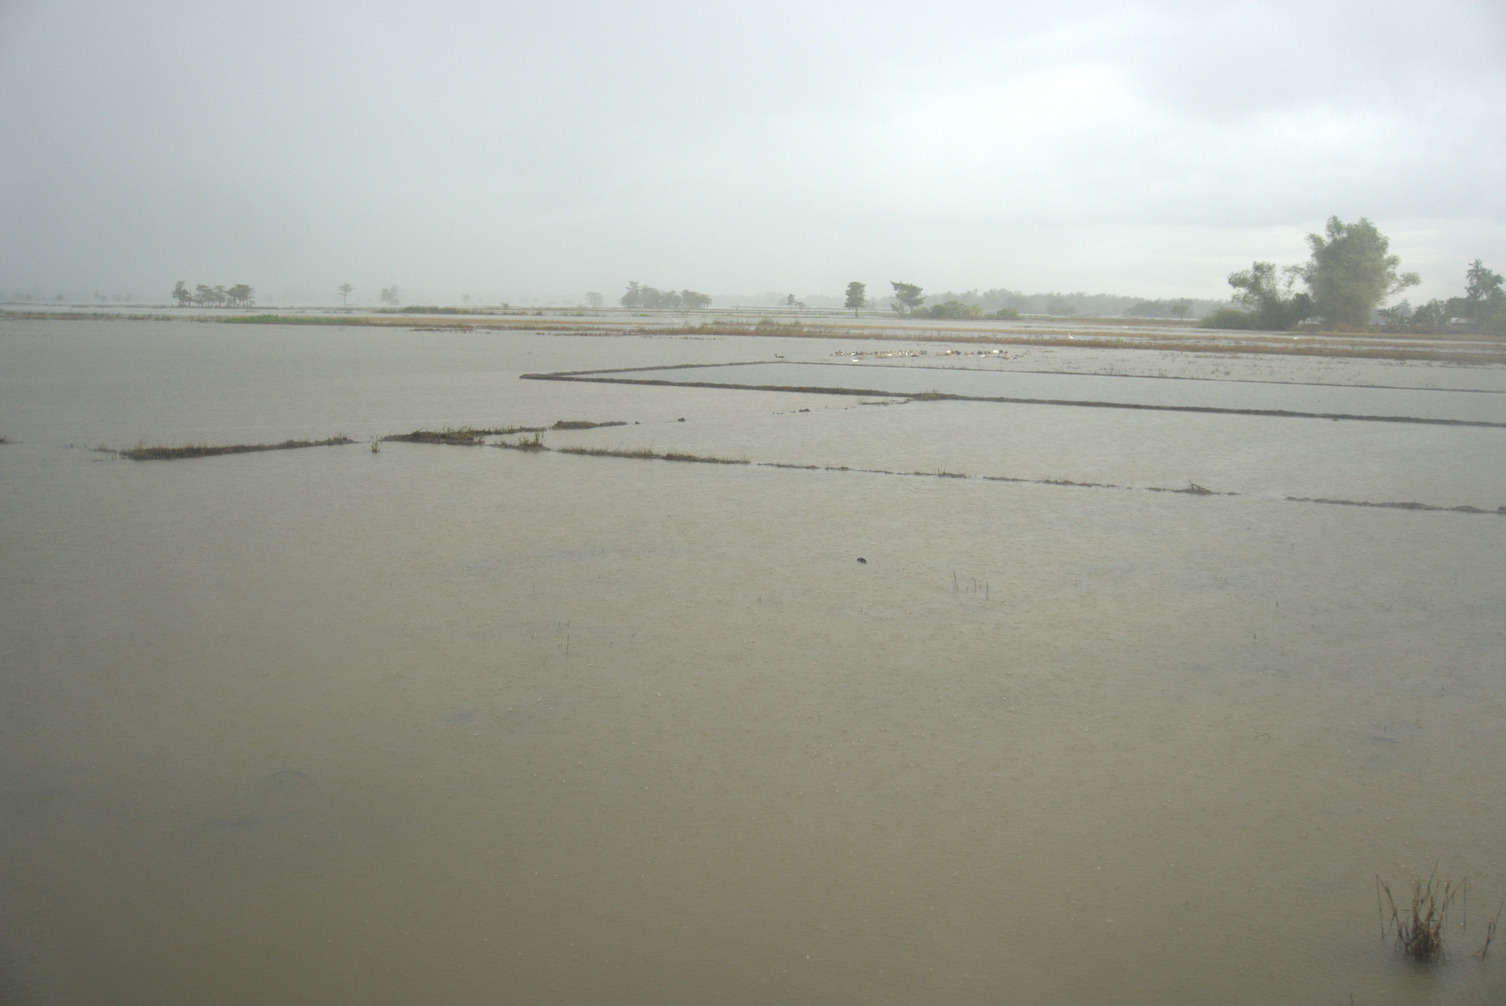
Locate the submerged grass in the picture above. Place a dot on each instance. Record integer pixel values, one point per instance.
(534, 444)
(459, 436)
(290, 319)
(160, 453)
(584, 424)
(468, 436)
(649, 454)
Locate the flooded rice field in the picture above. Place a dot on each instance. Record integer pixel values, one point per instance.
(1299, 400)
(937, 700)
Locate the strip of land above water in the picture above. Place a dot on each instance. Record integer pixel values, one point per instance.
(1086, 333)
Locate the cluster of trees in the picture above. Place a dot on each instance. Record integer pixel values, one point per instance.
(646, 297)
(1483, 306)
(389, 296)
(239, 295)
(1002, 303)
(957, 309)
(1348, 276)
(909, 299)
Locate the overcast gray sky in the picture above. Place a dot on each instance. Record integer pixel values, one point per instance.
(541, 150)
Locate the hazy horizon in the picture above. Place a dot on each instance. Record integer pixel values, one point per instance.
(529, 155)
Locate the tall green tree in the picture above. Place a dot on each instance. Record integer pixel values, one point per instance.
(857, 296)
(1350, 272)
(1268, 296)
(344, 290)
(182, 294)
(907, 297)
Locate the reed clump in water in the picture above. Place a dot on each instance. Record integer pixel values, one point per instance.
(1419, 930)
(1419, 927)
(536, 443)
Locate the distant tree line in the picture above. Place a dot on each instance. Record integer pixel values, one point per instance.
(910, 300)
(239, 295)
(648, 298)
(1003, 303)
(1483, 307)
(963, 311)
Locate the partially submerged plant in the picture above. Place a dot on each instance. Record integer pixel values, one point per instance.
(464, 436)
(535, 443)
(1419, 931)
(584, 424)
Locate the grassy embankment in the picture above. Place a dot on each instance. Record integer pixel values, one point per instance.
(1077, 333)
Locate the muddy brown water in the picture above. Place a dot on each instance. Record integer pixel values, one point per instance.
(473, 725)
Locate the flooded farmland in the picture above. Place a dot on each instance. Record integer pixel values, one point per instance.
(964, 697)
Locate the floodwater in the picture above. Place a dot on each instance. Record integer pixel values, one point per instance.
(1483, 407)
(467, 725)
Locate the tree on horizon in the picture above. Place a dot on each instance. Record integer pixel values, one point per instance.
(907, 297)
(857, 296)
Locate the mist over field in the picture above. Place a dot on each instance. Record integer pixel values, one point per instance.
(535, 153)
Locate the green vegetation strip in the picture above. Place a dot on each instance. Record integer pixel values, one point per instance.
(205, 450)
(465, 436)
(289, 319)
(583, 424)
(470, 437)
(649, 454)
